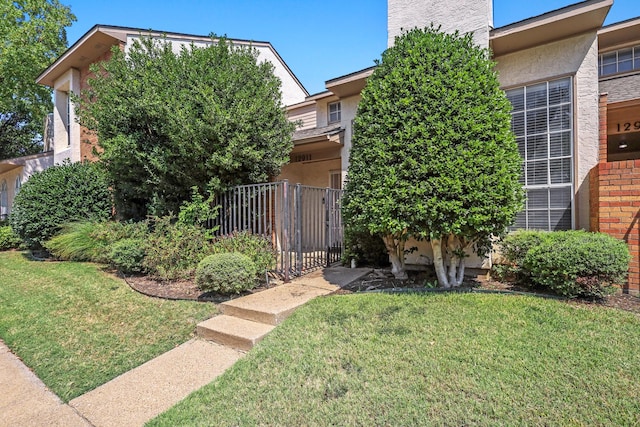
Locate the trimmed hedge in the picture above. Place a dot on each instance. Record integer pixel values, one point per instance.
(226, 273)
(569, 263)
(59, 195)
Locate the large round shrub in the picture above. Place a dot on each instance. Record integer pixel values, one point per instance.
(8, 239)
(226, 273)
(59, 195)
(578, 263)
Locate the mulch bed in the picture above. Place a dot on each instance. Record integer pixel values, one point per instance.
(378, 281)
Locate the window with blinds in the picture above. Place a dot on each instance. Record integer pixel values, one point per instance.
(542, 120)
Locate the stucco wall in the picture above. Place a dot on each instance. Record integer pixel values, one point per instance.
(31, 166)
(292, 93)
(578, 57)
(463, 15)
(622, 88)
(315, 174)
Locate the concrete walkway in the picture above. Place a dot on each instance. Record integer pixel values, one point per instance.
(150, 389)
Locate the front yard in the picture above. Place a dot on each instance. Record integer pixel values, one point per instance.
(450, 359)
(78, 327)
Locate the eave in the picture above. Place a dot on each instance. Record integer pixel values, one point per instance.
(553, 26)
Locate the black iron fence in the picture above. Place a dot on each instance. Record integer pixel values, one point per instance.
(303, 223)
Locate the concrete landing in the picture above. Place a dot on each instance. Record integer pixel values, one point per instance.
(26, 401)
(233, 332)
(139, 395)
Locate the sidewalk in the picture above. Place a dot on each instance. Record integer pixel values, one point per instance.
(150, 389)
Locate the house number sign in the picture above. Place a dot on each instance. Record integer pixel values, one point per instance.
(628, 126)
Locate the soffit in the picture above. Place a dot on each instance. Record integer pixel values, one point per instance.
(619, 34)
(91, 46)
(351, 84)
(560, 24)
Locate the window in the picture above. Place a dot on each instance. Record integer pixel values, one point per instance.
(619, 61)
(68, 119)
(542, 120)
(18, 184)
(4, 201)
(335, 114)
(335, 180)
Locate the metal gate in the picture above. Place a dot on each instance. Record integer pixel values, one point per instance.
(303, 223)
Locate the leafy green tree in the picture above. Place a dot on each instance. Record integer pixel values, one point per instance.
(207, 117)
(33, 35)
(433, 156)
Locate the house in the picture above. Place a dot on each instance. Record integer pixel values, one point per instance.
(575, 90)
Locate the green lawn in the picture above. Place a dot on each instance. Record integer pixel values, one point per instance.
(78, 327)
(451, 359)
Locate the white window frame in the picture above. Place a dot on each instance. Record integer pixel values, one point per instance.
(334, 116)
(635, 61)
(524, 137)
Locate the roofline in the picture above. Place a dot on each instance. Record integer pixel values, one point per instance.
(353, 74)
(547, 14)
(131, 30)
(25, 158)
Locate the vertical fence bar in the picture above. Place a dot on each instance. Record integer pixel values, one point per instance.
(285, 229)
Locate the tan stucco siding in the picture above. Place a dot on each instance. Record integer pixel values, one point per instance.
(31, 166)
(315, 174)
(577, 57)
(468, 16)
(306, 116)
(623, 88)
(349, 110)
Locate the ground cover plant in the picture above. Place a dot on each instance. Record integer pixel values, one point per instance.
(445, 359)
(78, 327)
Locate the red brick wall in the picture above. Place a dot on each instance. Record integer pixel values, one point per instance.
(616, 187)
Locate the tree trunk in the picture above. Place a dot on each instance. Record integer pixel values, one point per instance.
(452, 247)
(438, 263)
(460, 277)
(395, 248)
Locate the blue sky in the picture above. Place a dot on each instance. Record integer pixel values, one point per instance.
(319, 40)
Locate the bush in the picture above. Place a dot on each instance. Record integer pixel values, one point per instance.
(578, 263)
(173, 250)
(127, 255)
(512, 250)
(258, 248)
(61, 194)
(365, 248)
(8, 239)
(226, 273)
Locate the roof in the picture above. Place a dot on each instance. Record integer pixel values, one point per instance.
(619, 34)
(552, 26)
(317, 133)
(100, 38)
(350, 84)
(10, 164)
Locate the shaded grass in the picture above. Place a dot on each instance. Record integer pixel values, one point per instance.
(452, 359)
(78, 327)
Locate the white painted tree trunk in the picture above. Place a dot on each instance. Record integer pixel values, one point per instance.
(395, 248)
(449, 269)
(452, 246)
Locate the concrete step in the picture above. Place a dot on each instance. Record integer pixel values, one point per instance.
(274, 305)
(233, 332)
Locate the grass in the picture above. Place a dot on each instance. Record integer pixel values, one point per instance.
(78, 327)
(452, 359)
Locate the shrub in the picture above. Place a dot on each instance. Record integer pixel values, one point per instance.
(365, 248)
(75, 242)
(173, 250)
(59, 195)
(578, 263)
(8, 239)
(127, 255)
(226, 273)
(258, 248)
(512, 250)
